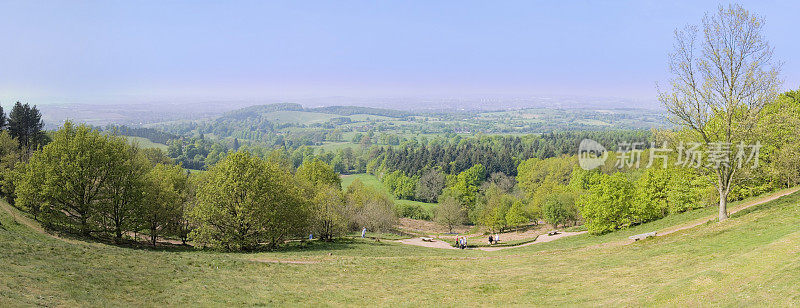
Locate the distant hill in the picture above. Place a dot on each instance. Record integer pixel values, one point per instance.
(256, 111)
(351, 110)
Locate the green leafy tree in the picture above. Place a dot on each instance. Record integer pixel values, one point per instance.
(243, 201)
(495, 207)
(516, 215)
(607, 206)
(467, 187)
(126, 188)
(322, 187)
(166, 194)
(686, 190)
(10, 158)
(559, 209)
(650, 199)
(779, 130)
(329, 218)
(319, 173)
(67, 182)
(534, 174)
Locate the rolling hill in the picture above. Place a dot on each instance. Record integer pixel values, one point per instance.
(751, 259)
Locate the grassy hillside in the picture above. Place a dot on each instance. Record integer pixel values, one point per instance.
(751, 259)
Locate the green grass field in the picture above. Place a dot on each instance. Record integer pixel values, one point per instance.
(368, 180)
(145, 143)
(751, 259)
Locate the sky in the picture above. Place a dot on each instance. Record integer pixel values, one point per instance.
(135, 51)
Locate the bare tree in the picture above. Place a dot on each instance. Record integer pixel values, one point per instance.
(450, 213)
(722, 79)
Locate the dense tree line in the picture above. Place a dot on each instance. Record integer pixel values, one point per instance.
(495, 153)
(98, 185)
(615, 195)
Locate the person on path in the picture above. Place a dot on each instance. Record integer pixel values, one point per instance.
(490, 239)
(364, 232)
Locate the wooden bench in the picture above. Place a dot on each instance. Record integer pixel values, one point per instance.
(642, 236)
(427, 239)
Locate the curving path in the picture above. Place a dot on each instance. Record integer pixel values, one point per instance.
(547, 238)
(742, 207)
(417, 241)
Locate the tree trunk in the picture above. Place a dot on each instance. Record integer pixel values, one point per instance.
(84, 227)
(153, 235)
(118, 234)
(723, 205)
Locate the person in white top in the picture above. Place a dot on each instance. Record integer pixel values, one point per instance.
(364, 232)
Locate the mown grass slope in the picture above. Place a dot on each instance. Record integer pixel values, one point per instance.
(751, 259)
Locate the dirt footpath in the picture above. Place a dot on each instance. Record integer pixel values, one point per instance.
(730, 212)
(544, 238)
(437, 243)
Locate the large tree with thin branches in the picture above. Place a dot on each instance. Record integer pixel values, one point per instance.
(723, 75)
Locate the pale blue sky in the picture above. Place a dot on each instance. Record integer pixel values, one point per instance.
(123, 51)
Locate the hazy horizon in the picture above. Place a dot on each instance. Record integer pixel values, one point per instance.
(393, 55)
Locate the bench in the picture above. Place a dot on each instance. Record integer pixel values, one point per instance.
(427, 239)
(554, 232)
(642, 236)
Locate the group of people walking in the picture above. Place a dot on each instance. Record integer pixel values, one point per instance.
(461, 242)
(494, 239)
